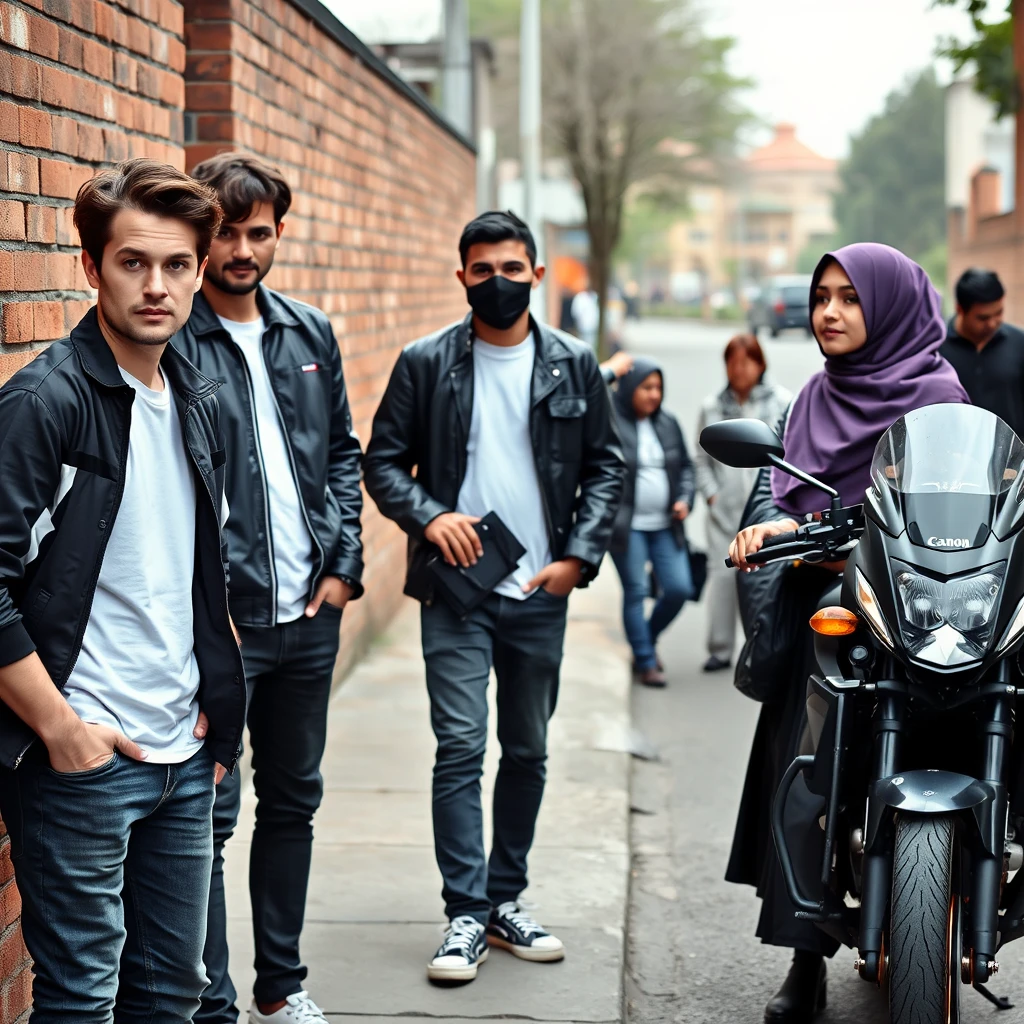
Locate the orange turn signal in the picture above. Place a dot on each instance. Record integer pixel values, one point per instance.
(834, 622)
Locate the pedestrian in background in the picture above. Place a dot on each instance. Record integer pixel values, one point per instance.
(121, 694)
(656, 499)
(987, 354)
(586, 315)
(293, 538)
(877, 320)
(749, 394)
(496, 414)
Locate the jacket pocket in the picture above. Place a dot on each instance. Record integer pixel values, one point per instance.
(567, 414)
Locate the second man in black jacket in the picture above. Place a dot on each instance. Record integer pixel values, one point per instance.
(295, 551)
(495, 414)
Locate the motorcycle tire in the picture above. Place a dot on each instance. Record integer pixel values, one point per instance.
(925, 937)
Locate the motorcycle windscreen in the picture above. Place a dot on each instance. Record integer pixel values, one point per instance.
(958, 472)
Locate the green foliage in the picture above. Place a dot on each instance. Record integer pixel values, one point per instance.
(892, 186)
(494, 19)
(990, 53)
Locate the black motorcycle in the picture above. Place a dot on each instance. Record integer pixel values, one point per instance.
(911, 712)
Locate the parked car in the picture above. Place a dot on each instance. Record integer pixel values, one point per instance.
(781, 304)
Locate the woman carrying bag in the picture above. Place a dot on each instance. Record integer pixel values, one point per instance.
(657, 497)
(877, 319)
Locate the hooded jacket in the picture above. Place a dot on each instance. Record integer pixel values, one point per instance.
(677, 459)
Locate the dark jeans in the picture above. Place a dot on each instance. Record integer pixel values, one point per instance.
(113, 866)
(523, 641)
(288, 671)
(671, 565)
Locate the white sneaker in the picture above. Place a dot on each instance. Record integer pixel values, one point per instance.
(464, 947)
(298, 1009)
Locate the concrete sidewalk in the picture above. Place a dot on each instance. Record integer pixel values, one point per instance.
(375, 914)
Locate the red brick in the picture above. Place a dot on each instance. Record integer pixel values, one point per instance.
(138, 36)
(55, 179)
(9, 128)
(30, 270)
(209, 36)
(79, 176)
(98, 60)
(71, 48)
(104, 17)
(10, 364)
(172, 17)
(41, 224)
(42, 35)
(60, 271)
(66, 231)
(59, 9)
(126, 72)
(12, 220)
(90, 143)
(14, 26)
(6, 285)
(19, 76)
(34, 128)
(176, 55)
(23, 173)
(47, 320)
(158, 45)
(16, 320)
(65, 134)
(74, 310)
(83, 15)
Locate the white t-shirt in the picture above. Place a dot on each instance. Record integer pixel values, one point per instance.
(137, 670)
(501, 474)
(290, 542)
(586, 312)
(651, 496)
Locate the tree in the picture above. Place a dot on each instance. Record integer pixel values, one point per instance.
(990, 53)
(634, 93)
(892, 185)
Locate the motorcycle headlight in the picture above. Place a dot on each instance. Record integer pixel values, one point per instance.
(948, 624)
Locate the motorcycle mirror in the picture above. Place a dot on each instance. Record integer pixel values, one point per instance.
(744, 444)
(752, 444)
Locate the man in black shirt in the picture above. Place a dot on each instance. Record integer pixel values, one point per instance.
(987, 354)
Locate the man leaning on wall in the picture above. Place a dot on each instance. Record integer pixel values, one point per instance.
(121, 691)
(295, 553)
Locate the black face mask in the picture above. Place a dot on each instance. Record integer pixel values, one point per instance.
(499, 302)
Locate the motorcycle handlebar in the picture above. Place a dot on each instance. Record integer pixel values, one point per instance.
(784, 547)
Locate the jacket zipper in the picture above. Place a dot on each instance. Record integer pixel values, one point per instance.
(263, 477)
(295, 480)
(76, 650)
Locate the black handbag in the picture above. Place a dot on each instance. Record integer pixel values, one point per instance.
(776, 604)
(464, 589)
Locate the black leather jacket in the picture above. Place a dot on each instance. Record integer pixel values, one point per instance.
(423, 425)
(304, 366)
(64, 427)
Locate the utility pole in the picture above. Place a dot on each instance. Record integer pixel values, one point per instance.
(529, 136)
(457, 65)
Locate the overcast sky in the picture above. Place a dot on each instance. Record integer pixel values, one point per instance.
(825, 65)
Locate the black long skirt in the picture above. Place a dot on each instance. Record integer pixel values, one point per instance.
(753, 860)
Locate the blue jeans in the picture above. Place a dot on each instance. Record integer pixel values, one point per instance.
(113, 866)
(288, 670)
(672, 569)
(523, 642)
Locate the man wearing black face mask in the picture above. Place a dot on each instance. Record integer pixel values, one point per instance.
(496, 414)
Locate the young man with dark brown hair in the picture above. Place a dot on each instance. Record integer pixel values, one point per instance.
(121, 691)
(296, 560)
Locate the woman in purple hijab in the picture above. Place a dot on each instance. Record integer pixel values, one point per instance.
(878, 323)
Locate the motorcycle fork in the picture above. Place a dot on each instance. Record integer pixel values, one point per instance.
(988, 846)
(876, 886)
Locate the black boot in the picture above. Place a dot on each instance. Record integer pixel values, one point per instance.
(803, 994)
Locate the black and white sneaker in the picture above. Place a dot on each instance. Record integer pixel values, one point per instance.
(463, 949)
(514, 930)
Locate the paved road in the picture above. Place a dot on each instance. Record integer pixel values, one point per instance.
(691, 952)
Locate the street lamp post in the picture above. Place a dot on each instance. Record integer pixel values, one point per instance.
(529, 134)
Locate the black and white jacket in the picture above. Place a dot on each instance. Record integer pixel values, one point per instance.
(64, 430)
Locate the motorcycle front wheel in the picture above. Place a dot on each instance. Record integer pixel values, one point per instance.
(925, 938)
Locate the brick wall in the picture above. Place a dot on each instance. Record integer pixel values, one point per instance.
(381, 193)
(382, 188)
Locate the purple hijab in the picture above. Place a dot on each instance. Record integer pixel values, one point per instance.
(838, 417)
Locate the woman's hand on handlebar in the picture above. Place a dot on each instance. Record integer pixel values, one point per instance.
(753, 537)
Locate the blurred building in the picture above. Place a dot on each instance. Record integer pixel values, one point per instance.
(984, 191)
(740, 232)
